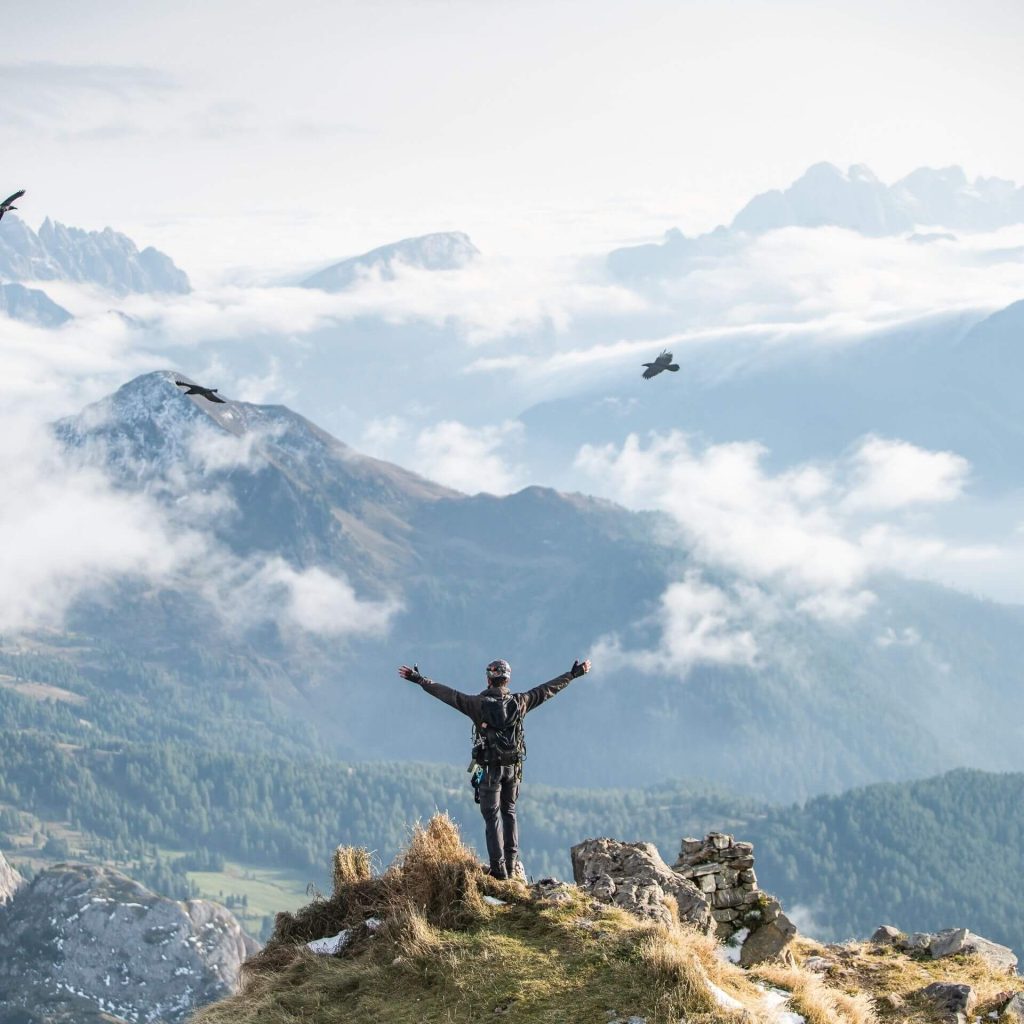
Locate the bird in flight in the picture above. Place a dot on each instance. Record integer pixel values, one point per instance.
(663, 362)
(210, 394)
(8, 203)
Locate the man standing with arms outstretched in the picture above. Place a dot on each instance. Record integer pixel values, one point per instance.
(499, 747)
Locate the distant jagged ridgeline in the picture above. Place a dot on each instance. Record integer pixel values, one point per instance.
(106, 258)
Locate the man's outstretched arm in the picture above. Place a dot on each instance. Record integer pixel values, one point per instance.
(460, 701)
(539, 694)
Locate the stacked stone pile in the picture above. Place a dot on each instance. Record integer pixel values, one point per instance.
(724, 872)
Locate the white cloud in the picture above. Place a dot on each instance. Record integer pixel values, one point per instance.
(894, 474)
(765, 528)
(906, 636)
(841, 280)
(382, 436)
(64, 531)
(491, 298)
(469, 459)
(699, 623)
(312, 600)
(813, 535)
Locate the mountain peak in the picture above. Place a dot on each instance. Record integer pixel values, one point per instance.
(106, 258)
(443, 250)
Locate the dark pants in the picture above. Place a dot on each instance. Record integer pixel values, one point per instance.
(498, 792)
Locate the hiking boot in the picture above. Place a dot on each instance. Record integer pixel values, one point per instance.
(499, 874)
(517, 871)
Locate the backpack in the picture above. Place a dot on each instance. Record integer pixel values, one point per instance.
(499, 738)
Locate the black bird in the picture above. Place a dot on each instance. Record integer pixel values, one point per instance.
(663, 362)
(210, 394)
(7, 204)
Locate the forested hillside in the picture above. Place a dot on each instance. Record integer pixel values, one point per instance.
(936, 853)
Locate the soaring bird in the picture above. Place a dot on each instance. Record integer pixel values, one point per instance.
(8, 203)
(210, 394)
(663, 362)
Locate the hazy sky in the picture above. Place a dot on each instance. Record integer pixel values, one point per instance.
(263, 134)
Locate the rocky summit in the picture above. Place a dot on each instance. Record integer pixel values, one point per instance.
(83, 943)
(434, 939)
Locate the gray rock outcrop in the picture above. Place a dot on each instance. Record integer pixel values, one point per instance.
(1013, 1011)
(81, 936)
(771, 932)
(950, 942)
(10, 880)
(106, 258)
(634, 877)
(954, 941)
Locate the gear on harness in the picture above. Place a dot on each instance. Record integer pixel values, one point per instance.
(475, 780)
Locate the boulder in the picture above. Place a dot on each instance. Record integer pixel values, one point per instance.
(770, 938)
(954, 1001)
(10, 880)
(81, 937)
(634, 877)
(918, 942)
(1013, 1011)
(954, 941)
(887, 935)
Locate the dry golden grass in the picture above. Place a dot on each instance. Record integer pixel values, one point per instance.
(406, 932)
(816, 1001)
(439, 876)
(682, 965)
(351, 865)
(889, 978)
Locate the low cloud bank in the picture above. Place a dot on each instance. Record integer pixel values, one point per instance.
(67, 531)
(805, 541)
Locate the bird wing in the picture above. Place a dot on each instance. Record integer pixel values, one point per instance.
(11, 199)
(651, 371)
(182, 384)
(216, 398)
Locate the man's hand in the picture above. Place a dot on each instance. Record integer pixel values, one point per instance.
(412, 674)
(579, 668)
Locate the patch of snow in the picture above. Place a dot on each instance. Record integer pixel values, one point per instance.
(493, 901)
(730, 951)
(373, 923)
(328, 947)
(776, 1002)
(726, 1001)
